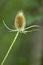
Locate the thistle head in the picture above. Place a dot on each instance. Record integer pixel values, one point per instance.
(20, 21)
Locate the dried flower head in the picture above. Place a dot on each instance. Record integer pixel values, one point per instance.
(20, 21)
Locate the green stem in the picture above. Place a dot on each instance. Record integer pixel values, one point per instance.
(9, 49)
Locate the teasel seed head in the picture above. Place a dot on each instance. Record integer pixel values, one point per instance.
(20, 21)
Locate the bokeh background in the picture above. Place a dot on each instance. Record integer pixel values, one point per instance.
(28, 48)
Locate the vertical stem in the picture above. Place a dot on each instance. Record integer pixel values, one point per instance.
(9, 49)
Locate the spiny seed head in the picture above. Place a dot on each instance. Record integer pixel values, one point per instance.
(20, 21)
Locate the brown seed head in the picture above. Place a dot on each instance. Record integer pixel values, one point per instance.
(20, 21)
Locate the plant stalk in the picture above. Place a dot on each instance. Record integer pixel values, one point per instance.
(9, 49)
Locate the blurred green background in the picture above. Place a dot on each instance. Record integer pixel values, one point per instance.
(28, 47)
